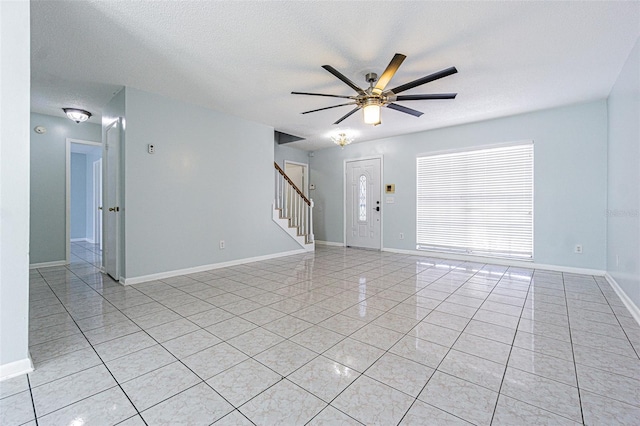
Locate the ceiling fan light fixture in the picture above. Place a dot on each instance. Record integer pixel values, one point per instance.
(342, 139)
(77, 115)
(372, 114)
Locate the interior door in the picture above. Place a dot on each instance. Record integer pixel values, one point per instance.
(111, 204)
(362, 204)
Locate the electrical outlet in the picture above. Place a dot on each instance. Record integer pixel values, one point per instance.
(402, 235)
(221, 244)
(578, 249)
(151, 149)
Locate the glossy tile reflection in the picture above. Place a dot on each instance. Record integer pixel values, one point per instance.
(339, 336)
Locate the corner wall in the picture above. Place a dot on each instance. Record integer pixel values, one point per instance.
(14, 188)
(211, 178)
(570, 172)
(623, 183)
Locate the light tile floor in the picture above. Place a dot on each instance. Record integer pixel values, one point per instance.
(339, 336)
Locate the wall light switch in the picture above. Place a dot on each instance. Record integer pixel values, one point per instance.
(391, 200)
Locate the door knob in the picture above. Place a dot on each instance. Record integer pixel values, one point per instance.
(378, 208)
(114, 209)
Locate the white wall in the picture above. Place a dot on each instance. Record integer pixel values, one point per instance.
(14, 188)
(570, 179)
(623, 218)
(211, 179)
(48, 183)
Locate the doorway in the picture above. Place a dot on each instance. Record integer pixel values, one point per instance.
(363, 208)
(299, 175)
(82, 193)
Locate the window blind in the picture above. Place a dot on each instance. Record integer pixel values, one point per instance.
(477, 202)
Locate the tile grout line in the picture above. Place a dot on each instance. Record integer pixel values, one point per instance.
(33, 404)
(573, 355)
(506, 366)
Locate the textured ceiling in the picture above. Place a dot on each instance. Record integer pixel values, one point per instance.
(244, 58)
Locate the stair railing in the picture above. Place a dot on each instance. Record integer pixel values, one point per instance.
(294, 205)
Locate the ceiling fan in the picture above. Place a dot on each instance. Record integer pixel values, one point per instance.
(374, 97)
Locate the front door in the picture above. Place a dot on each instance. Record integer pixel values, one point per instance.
(111, 204)
(363, 207)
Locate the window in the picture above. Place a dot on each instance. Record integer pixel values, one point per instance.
(362, 199)
(478, 202)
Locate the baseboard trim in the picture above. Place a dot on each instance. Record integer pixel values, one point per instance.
(632, 307)
(16, 368)
(48, 264)
(329, 243)
(503, 262)
(175, 273)
(78, 240)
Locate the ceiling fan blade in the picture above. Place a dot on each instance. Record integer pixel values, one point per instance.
(406, 110)
(424, 97)
(344, 79)
(426, 79)
(346, 115)
(323, 94)
(388, 74)
(322, 109)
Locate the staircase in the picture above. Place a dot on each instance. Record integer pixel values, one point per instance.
(293, 211)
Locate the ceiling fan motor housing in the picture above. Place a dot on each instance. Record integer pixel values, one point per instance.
(371, 77)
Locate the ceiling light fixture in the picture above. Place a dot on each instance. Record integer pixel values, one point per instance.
(77, 115)
(371, 112)
(342, 139)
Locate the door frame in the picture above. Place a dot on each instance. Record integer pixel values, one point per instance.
(67, 191)
(344, 196)
(305, 190)
(97, 202)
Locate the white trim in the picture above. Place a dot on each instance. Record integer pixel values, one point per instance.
(177, 272)
(79, 240)
(329, 243)
(67, 194)
(632, 307)
(48, 264)
(16, 368)
(496, 261)
(344, 196)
